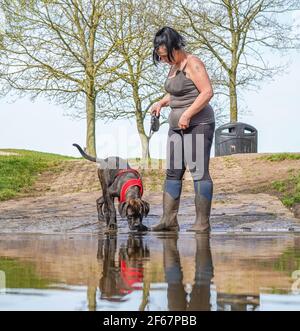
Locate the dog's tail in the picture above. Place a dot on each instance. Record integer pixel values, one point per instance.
(86, 156)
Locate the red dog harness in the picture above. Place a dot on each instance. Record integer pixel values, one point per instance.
(129, 183)
(131, 276)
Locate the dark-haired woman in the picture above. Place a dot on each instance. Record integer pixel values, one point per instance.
(191, 129)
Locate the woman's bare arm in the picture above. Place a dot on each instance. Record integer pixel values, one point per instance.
(199, 76)
(165, 101)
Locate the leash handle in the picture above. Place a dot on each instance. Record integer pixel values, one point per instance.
(154, 127)
(154, 122)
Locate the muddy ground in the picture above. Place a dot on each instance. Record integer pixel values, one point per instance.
(65, 202)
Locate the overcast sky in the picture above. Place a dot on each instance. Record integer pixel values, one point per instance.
(44, 127)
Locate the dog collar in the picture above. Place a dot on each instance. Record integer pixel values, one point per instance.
(123, 171)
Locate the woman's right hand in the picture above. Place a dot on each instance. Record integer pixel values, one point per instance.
(155, 109)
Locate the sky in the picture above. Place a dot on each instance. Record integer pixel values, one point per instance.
(42, 126)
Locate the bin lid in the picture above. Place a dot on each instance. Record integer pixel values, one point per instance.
(236, 129)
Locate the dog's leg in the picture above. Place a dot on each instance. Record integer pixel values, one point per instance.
(112, 225)
(100, 203)
(102, 208)
(109, 198)
(100, 250)
(106, 213)
(109, 208)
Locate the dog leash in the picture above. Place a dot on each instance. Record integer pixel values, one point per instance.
(154, 127)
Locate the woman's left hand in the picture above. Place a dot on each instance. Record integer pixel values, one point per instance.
(184, 121)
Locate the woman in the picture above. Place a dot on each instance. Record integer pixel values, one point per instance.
(191, 129)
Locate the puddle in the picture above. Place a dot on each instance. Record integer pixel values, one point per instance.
(150, 272)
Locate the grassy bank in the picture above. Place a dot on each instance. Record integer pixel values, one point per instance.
(287, 190)
(19, 172)
(277, 157)
(277, 174)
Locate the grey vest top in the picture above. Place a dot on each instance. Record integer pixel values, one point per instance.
(183, 93)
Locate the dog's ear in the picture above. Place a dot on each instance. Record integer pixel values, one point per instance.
(146, 208)
(122, 209)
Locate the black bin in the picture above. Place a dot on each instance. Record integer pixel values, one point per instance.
(235, 137)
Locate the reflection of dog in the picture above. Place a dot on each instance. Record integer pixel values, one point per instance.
(121, 277)
(124, 184)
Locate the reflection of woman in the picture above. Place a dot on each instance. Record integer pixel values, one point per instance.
(200, 295)
(173, 275)
(188, 94)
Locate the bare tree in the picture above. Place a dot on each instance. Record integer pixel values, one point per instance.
(236, 33)
(58, 49)
(138, 82)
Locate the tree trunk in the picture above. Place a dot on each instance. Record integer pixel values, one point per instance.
(91, 298)
(146, 161)
(234, 63)
(140, 125)
(145, 146)
(233, 97)
(91, 120)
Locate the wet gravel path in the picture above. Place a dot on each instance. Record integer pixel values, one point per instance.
(76, 213)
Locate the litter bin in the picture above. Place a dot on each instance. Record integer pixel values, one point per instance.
(235, 137)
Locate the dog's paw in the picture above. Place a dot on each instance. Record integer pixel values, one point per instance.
(101, 219)
(111, 228)
(141, 228)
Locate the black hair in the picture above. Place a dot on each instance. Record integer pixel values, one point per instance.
(171, 39)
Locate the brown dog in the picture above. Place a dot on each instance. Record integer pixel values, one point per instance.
(119, 180)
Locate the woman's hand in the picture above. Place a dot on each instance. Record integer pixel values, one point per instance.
(155, 109)
(184, 121)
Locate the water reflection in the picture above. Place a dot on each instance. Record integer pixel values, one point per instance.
(150, 272)
(123, 271)
(123, 275)
(199, 298)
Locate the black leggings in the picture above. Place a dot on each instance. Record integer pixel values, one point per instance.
(190, 147)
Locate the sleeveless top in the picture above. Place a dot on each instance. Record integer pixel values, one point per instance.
(183, 93)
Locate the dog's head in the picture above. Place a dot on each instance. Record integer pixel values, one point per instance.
(134, 210)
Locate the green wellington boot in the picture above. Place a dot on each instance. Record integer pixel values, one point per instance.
(171, 199)
(203, 198)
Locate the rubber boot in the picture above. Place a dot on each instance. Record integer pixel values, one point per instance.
(204, 272)
(171, 199)
(203, 198)
(173, 274)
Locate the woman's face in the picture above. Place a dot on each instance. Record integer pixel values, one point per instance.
(163, 54)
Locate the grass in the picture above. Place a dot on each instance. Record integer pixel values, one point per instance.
(277, 157)
(153, 174)
(229, 161)
(288, 190)
(288, 261)
(19, 172)
(21, 274)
